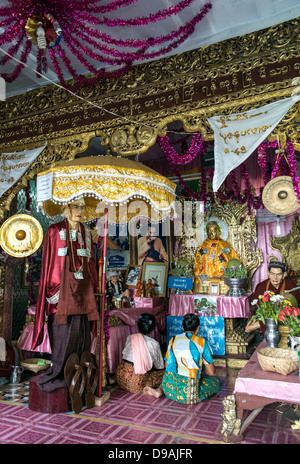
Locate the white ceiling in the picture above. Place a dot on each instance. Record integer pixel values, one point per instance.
(226, 19)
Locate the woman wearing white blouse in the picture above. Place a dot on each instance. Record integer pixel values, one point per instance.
(142, 363)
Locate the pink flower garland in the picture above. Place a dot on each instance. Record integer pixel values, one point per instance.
(82, 36)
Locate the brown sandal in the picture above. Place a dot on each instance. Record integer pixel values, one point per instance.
(75, 380)
(91, 375)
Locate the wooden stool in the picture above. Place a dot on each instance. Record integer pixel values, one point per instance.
(49, 402)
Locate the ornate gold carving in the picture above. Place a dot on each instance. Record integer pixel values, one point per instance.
(63, 149)
(231, 424)
(131, 140)
(223, 78)
(289, 248)
(2, 286)
(237, 341)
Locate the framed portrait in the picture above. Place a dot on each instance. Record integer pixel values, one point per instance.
(133, 274)
(158, 274)
(118, 257)
(214, 288)
(151, 244)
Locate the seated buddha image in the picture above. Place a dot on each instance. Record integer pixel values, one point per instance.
(213, 254)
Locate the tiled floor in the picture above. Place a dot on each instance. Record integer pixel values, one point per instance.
(135, 419)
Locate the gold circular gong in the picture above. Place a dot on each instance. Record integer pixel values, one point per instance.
(279, 196)
(21, 235)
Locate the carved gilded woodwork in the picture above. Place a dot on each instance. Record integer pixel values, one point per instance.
(63, 149)
(131, 139)
(2, 286)
(129, 113)
(289, 248)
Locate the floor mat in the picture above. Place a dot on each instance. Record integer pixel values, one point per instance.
(135, 419)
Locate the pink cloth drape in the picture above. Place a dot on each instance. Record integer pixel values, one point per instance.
(252, 380)
(227, 306)
(142, 360)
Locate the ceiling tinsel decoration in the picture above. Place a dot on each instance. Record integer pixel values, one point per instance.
(64, 31)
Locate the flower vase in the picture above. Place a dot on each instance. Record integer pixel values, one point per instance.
(284, 334)
(272, 334)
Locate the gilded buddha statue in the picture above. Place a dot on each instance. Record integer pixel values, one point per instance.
(213, 254)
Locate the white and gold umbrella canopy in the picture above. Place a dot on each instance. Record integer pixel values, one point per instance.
(128, 189)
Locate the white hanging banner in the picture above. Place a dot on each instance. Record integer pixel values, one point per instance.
(237, 135)
(14, 165)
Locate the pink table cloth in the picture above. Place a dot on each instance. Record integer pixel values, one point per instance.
(252, 380)
(119, 334)
(227, 306)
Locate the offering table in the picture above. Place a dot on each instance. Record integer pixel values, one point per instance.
(255, 388)
(227, 306)
(232, 309)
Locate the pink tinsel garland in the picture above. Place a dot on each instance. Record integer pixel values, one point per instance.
(280, 164)
(172, 155)
(82, 35)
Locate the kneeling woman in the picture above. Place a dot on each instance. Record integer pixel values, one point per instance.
(142, 363)
(183, 380)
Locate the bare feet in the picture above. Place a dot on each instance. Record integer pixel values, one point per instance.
(156, 392)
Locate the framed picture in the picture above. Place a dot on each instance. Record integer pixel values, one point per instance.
(158, 274)
(133, 274)
(205, 304)
(152, 245)
(118, 257)
(214, 288)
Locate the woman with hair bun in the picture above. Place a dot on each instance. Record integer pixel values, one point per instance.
(187, 354)
(142, 363)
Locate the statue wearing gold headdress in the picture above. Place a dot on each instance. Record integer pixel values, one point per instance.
(213, 253)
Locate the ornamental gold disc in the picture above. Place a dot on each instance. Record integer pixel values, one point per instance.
(279, 196)
(21, 235)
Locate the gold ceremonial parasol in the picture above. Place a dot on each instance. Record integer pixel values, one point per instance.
(21, 235)
(114, 183)
(115, 189)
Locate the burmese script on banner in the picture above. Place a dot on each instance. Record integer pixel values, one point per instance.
(237, 135)
(14, 165)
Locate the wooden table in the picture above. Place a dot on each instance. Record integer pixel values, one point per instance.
(255, 388)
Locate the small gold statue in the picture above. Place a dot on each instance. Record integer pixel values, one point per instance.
(231, 424)
(139, 289)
